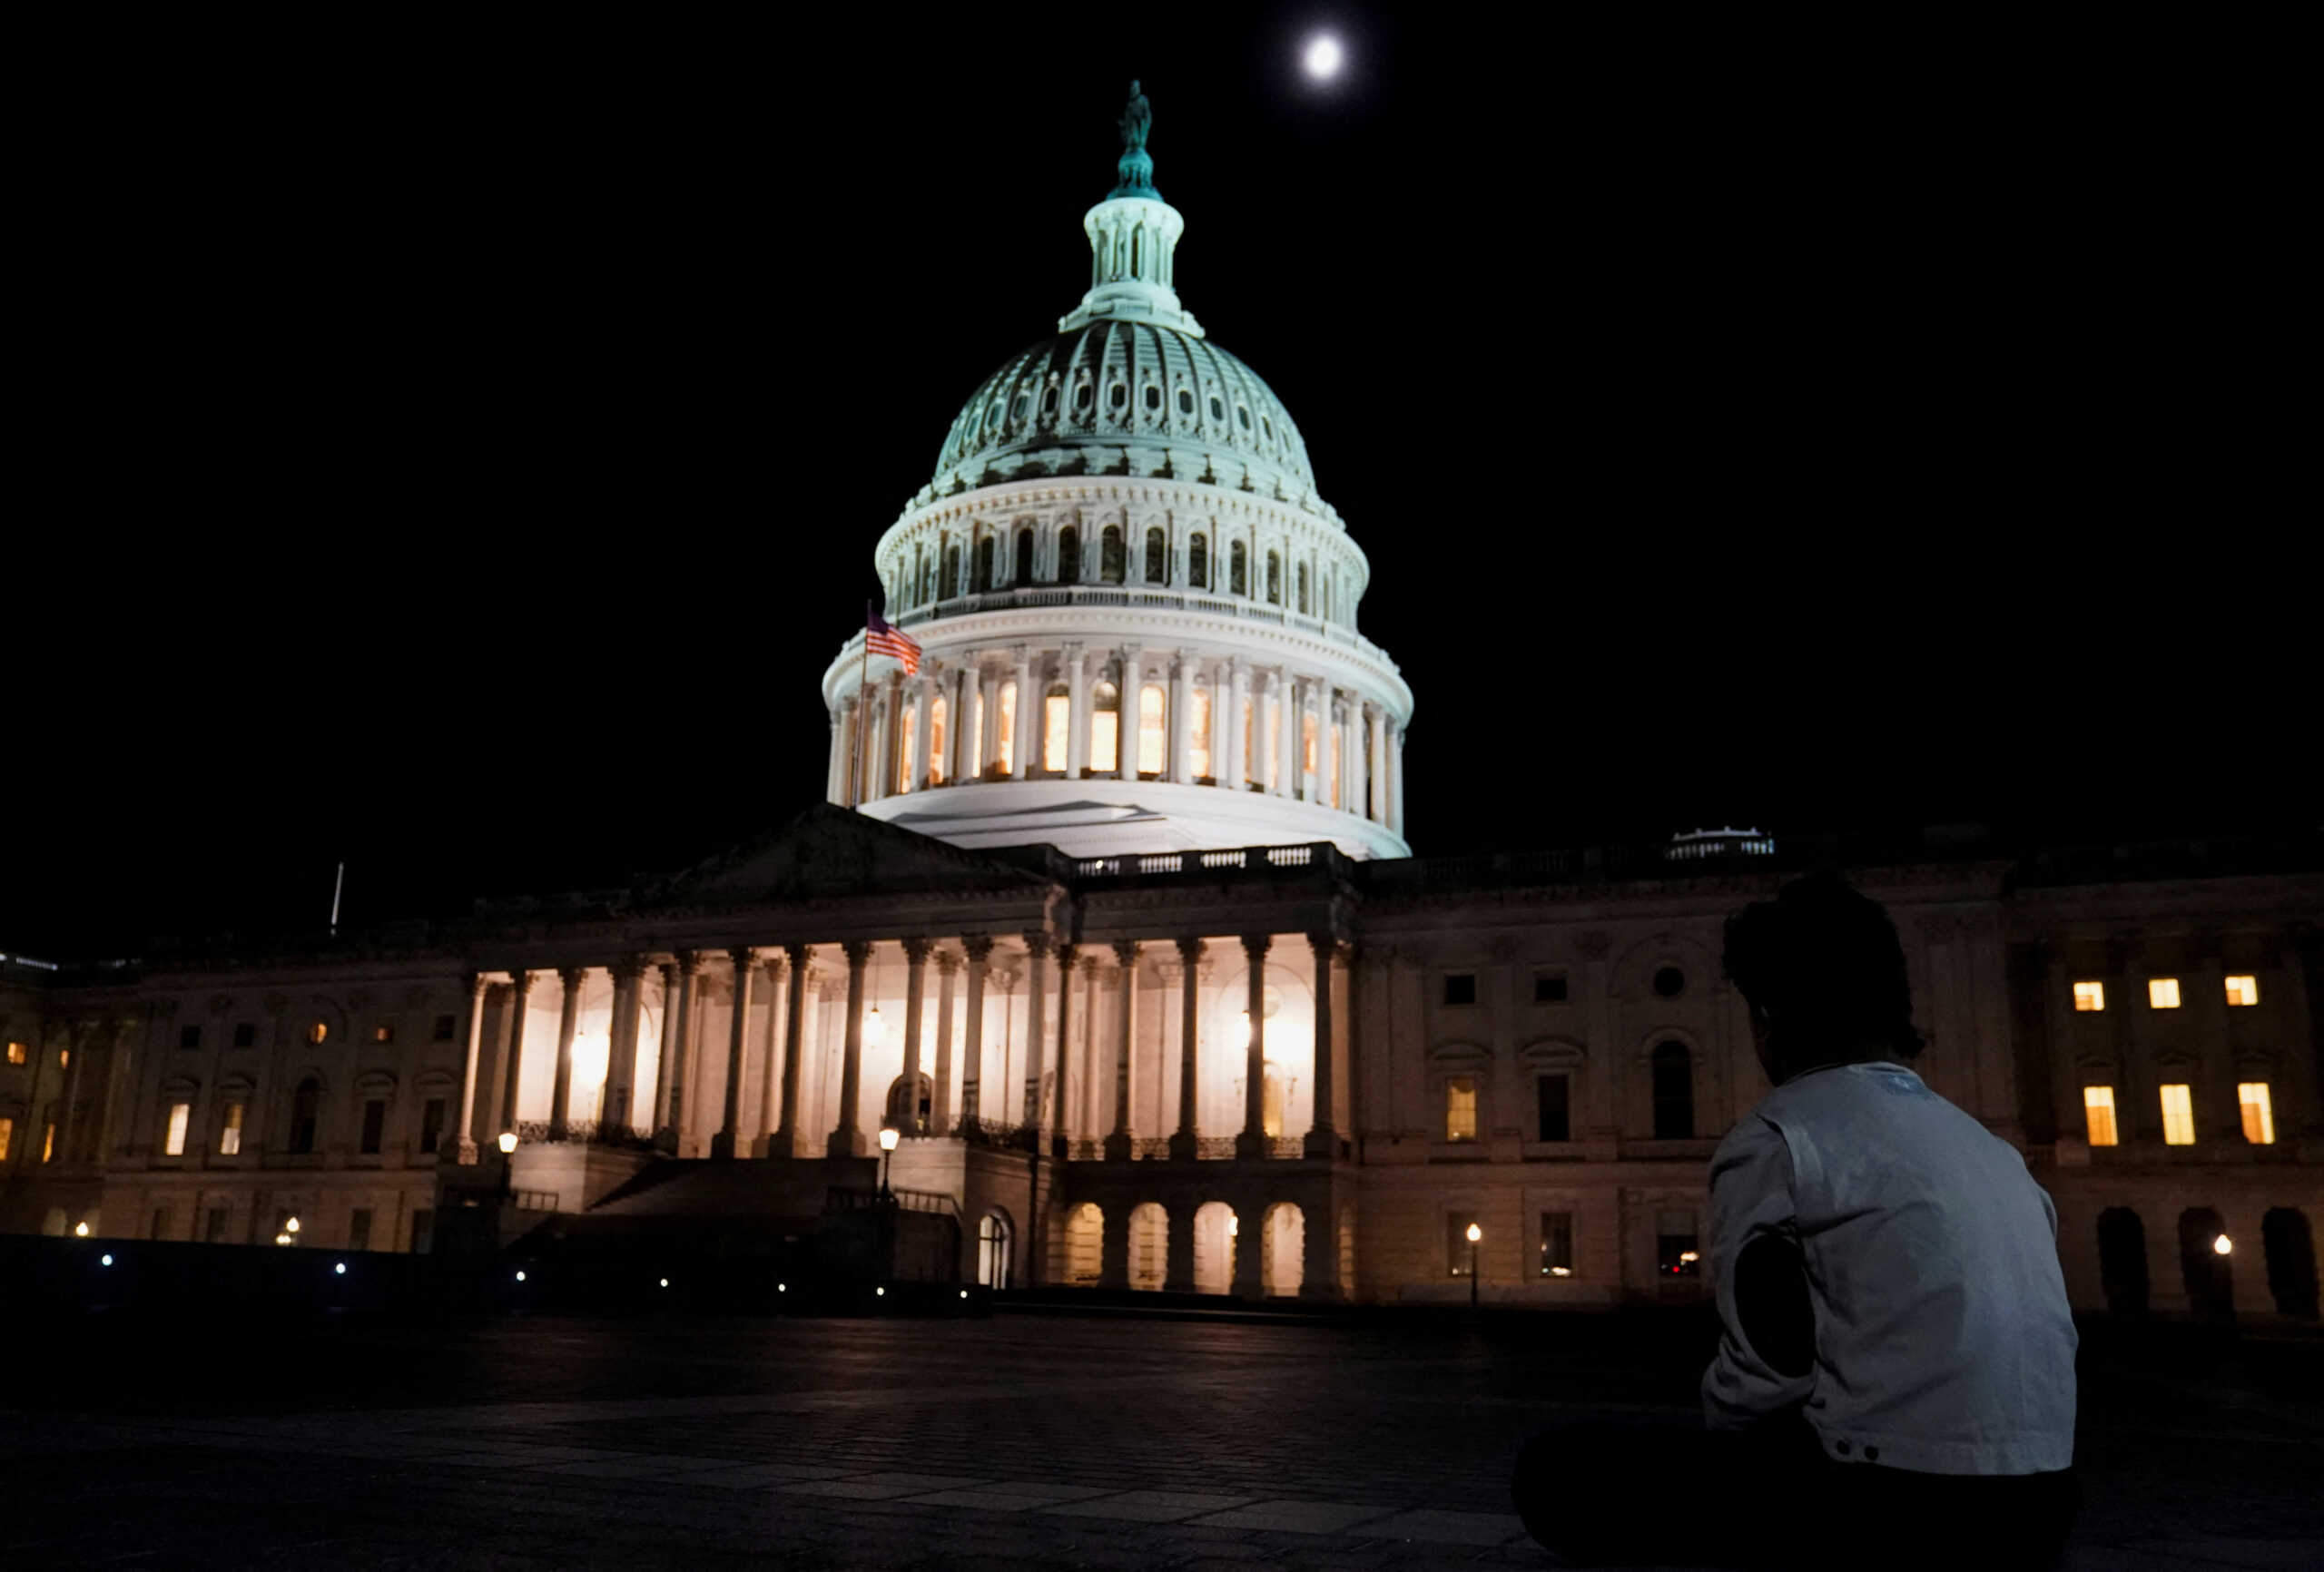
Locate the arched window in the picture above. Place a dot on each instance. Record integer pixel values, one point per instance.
(936, 732)
(1149, 1246)
(1303, 589)
(1057, 716)
(1674, 1092)
(1217, 408)
(1005, 729)
(1068, 556)
(306, 1106)
(1105, 727)
(1158, 558)
(951, 584)
(1283, 1252)
(1185, 401)
(1199, 735)
(1024, 573)
(2121, 1261)
(1081, 396)
(1461, 1108)
(1198, 562)
(1153, 399)
(983, 568)
(992, 1247)
(1274, 579)
(1250, 754)
(1048, 403)
(1085, 1232)
(907, 721)
(1017, 410)
(1238, 577)
(1118, 397)
(910, 1114)
(1110, 554)
(1153, 737)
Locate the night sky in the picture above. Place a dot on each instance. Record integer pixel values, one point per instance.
(460, 452)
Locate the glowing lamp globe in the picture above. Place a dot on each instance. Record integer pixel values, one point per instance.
(1475, 1233)
(889, 1136)
(1322, 58)
(507, 1142)
(2223, 1245)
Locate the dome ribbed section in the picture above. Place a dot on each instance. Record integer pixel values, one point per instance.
(1126, 398)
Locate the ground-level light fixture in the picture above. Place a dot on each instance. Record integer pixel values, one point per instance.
(79, 1230)
(889, 1136)
(2223, 1245)
(521, 1277)
(282, 1239)
(665, 1283)
(341, 1269)
(783, 1288)
(964, 1294)
(881, 1292)
(507, 1142)
(105, 1260)
(289, 1225)
(1476, 1234)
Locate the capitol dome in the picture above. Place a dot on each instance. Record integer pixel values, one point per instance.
(1134, 617)
(1094, 399)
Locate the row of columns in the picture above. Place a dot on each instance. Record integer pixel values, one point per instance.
(779, 1115)
(1371, 747)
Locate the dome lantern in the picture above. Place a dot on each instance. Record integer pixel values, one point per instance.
(1133, 241)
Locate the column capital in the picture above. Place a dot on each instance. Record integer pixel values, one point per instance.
(692, 961)
(858, 952)
(1036, 941)
(572, 976)
(1190, 950)
(744, 956)
(626, 968)
(774, 967)
(519, 977)
(948, 961)
(1023, 654)
(1126, 951)
(1065, 949)
(1089, 963)
(977, 946)
(800, 955)
(916, 948)
(1325, 944)
(1071, 649)
(1256, 945)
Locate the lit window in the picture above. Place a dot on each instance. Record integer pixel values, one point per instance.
(48, 1141)
(2178, 1115)
(906, 724)
(1058, 716)
(173, 1144)
(2162, 993)
(937, 730)
(383, 1033)
(973, 733)
(1306, 742)
(2098, 1113)
(1005, 742)
(1557, 1245)
(1199, 738)
(18, 1053)
(1461, 1108)
(1677, 1250)
(2258, 1112)
(64, 1058)
(2243, 991)
(2090, 995)
(317, 1031)
(1105, 727)
(1152, 736)
(7, 1137)
(230, 1134)
(1331, 794)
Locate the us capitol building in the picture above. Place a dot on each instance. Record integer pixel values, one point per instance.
(1110, 914)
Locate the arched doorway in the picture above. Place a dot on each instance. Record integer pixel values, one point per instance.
(2121, 1261)
(1283, 1252)
(1149, 1246)
(910, 1114)
(2210, 1282)
(2291, 1260)
(993, 1238)
(1084, 1243)
(1215, 1229)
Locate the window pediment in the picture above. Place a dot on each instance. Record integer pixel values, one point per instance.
(1552, 1054)
(1460, 1056)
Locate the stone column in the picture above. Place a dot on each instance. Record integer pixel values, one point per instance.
(1351, 720)
(473, 983)
(915, 1000)
(939, 1112)
(1236, 767)
(1129, 726)
(1377, 761)
(1396, 782)
(979, 946)
(1289, 758)
(847, 1135)
(1077, 731)
(727, 1143)
(1308, 701)
(957, 732)
(1028, 709)
(1253, 1141)
(1118, 1140)
(988, 727)
(1179, 765)
(1179, 1252)
(520, 990)
(1056, 1110)
(681, 1064)
(1037, 945)
(873, 724)
(1085, 1108)
(665, 1062)
(1322, 1133)
(1183, 1140)
(770, 1044)
(1113, 1248)
(794, 1049)
(836, 776)
(621, 1051)
(923, 697)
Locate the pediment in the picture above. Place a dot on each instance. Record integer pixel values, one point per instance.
(830, 852)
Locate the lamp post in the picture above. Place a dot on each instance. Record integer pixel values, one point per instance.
(507, 1159)
(1475, 1235)
(889, 1136)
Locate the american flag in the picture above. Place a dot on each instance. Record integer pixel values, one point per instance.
(882, 640)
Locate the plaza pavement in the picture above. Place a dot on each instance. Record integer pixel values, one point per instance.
(1024, 1442)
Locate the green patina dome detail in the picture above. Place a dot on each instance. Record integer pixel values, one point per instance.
(1134, 174)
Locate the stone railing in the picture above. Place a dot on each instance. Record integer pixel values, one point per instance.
(1319, 853)
(588, 1132)
(1146, 597)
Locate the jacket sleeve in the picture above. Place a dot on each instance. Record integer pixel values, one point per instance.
(1750, 1200)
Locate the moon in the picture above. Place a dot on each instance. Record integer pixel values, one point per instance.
(1321, 57)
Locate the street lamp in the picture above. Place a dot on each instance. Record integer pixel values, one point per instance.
(507, 1142)
(507, 1145)
(889, 1136)
(2223, 1245)
(1475, 1235)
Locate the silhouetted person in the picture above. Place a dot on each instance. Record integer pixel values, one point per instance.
(1895, 1381)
